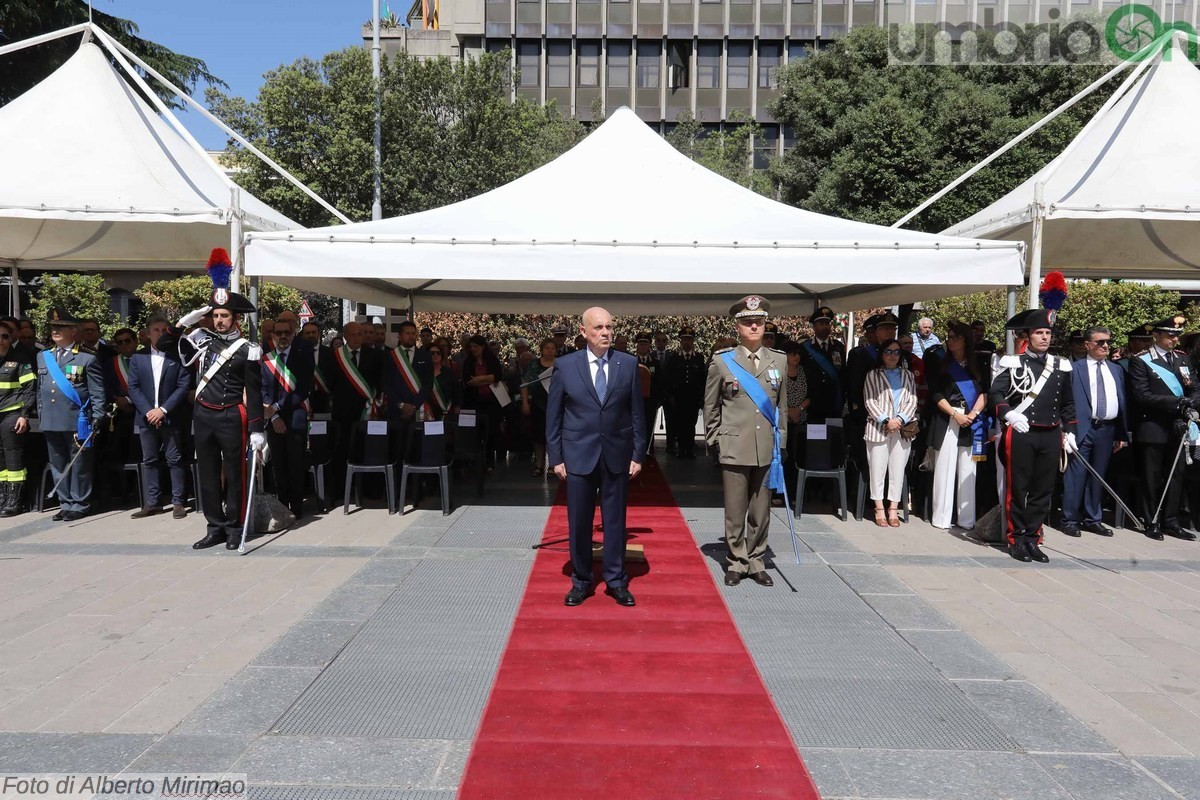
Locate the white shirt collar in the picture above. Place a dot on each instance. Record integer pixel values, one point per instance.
(592, 359)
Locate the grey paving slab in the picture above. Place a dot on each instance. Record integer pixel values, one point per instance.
(70, 752)
(454, 765)
(958, 655)
(521, 552)
(385, 571)
(351, 602)
(250, 702)
(909, 613)
(191, 753)
(828, 773)
(309, 643)
(418, 537)
(339, 761)
(1107, 777)
(839, 558)
(1032, 718)
(871, 580)
(345, 793)
(949, 776)
(1181, 774)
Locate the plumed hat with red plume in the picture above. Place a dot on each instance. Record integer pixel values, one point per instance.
(1053, 292)
(219, 269)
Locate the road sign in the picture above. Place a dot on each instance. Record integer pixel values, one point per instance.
(305, 312)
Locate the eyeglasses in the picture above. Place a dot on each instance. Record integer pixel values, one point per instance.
(892, 351)
(1102, 342)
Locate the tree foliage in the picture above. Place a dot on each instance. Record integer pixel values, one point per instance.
(725, 152)
(174, 298)
(23, 19)
(81, 295)
(450, 131)
(872, 141)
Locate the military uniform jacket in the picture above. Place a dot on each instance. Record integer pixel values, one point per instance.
(731, 419)
(825, 393)
(684, 379)
(237, 382)
(650, 362)
(1055, 403)
(17, 385)
(1154, 407)
(83, 370)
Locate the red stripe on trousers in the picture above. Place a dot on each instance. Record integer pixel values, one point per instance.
(245, 434)
(1008, 433)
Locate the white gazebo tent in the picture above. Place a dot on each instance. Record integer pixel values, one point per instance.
(1122, 200)
(625, 220)
(95, 178)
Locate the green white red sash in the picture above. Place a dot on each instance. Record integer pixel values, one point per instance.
(319, 379)
(355, 377)
(121, 367)
(438, 396)
(281, 372)
(411, 379)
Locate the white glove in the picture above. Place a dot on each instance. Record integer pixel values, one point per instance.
(1018, 421)
(258, 441)
(192, 317)
(1069, 443)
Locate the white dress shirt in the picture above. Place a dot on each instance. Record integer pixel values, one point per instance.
(158, 360)
(1098, 370)
(595, 363)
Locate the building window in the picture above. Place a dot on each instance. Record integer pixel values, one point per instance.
(766, 145)
(648, 55)
(798, 50)
(497, 45)
(770, 55)
(708, 65)
(528, 54)
(587, 64)
(618, 65)
(738, 66)
(558, 65)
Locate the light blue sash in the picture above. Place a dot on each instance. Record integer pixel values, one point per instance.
(758, 394)
(1175, 386)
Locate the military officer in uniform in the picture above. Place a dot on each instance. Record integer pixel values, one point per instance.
(770, 335)
(684, 394)
(70, 405)
(742, 381)
(1164, 393)
(1032, 394)
(229, 409)
(649, 371)
(559, 333)
(823, 358)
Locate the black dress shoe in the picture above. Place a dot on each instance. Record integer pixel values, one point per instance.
(211, 540)
(1096, 528)
(1154, 532)
(1070, 529)
(1179, 533)
(1017, 550)
(1035, 552)
(621, 594)
(59, 517)
(762, 578)
(733, 578)
(575, 596)
(233, 542)
(71, 516)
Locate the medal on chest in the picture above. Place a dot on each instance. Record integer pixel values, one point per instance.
(735, 387)
(1186, 374)
(773, 376)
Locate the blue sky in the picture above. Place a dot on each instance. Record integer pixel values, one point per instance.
(242, 39)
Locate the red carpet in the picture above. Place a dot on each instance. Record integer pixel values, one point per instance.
(653, 702)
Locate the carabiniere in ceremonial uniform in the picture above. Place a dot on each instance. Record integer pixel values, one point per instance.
(740, 379)
(1032, 394)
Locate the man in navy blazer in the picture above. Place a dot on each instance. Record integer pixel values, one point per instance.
(287, 380)
(596, 439)
(1098, 386)
(158, 389)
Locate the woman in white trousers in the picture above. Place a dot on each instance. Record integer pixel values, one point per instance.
(958, 429)
(890, 397)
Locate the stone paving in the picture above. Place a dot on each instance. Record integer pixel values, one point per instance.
(351, 657)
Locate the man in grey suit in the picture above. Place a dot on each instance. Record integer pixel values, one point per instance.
(70, 404)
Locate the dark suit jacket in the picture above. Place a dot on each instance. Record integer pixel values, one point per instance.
(394, 385)
(291, 404)
(346, 404)
(1081, 387)
(173, 387)
(580, 430)
(1155, 407)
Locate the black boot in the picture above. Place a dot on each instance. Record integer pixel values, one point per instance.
(16, 499)
(6, 500)
(1035, 552)
(1017, 548)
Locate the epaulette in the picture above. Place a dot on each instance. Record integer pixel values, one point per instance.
(1064, 364)
(83, 348)
(254, 352)
(777, 350)
(1009, 362)
(723, 350)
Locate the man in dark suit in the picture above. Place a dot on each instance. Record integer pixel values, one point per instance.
(287, 377)
(686, 371)
(1098, 387)
(1163, 391)
(352, 373)
(596, 440)
(407, 376)
(158, 386)
(310, 336)
(70, 396)
(823, 358)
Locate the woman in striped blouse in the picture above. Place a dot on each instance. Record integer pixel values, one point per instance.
(890, 397)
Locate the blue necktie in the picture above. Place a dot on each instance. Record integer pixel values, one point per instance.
(1101, 394)
(601, 379)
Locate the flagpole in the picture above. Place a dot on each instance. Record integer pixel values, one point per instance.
(377, 202)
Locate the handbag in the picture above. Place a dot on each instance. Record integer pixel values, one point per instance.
(908, 431)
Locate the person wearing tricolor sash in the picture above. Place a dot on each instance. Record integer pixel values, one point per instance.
(287, 378)
(310, 336)
(352, 375)
(746, 416)
(1163, 391)
(407, 377)
(229, 409)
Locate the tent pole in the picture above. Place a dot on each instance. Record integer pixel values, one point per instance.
(45, 37)
(1035, 252)
(14, 290)
(254, 318)
(1023, 135)
(377, 89)
(1011, 312)
(204, 112)
(235, 236)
